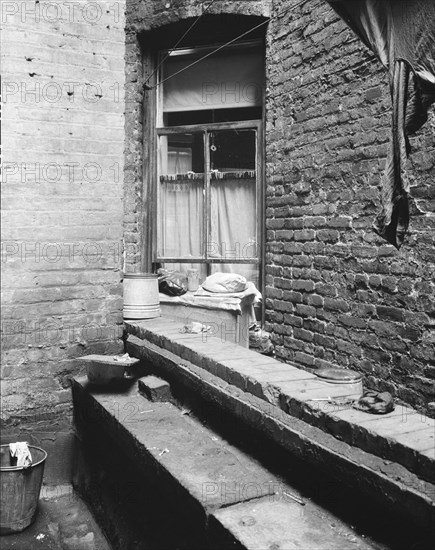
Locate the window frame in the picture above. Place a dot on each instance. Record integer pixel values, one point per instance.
(205, 129)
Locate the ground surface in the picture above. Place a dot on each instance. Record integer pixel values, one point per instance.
(64, 522)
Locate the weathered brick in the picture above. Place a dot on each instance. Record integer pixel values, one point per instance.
(304, 235)
(306, 286)
(303, 334)
(383, 328)
(336, 304)
(354, 322)
(293, 320)
(386, 312)
(305, 311)
(281, 305)
(302, 261)
(314, 325)
(291, 296)
(315, 300)
(328, 235)
(325, 341)
(326, 290)
(348, 347)
(341, 222)
(304, 359)
(294, 223)
(274, 292)
(314, 221)
(284, 234)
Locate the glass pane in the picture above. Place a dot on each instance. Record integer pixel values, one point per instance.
(186, 267)
(181, 196)
(193, 80)
(233, 188)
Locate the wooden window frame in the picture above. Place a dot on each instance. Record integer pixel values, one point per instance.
(205, 129)
(152, 128)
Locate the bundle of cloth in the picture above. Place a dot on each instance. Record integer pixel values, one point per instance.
(230, 286)
(20, 454)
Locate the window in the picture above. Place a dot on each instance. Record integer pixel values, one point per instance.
(209, 169)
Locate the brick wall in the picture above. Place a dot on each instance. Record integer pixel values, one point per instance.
(337, 294)
(63, 135)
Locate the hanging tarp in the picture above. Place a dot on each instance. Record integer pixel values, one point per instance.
(402, 34)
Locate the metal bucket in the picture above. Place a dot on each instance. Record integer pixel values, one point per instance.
(141, 296)
(19, 490)
(349, 380)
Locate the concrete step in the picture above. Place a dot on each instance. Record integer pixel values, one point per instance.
(390, 484)
(231, 500)
(403, 436)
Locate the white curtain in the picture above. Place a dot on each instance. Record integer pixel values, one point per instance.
(234, 226)
(181, 207)
(180, 203)
(233, 231)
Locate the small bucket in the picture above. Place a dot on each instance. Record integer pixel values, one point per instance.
(19, 490)
(141, 296)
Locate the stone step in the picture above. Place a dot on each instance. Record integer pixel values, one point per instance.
(386, 482)
(208, 476)
(403, 436)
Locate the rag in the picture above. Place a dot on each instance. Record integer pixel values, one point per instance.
(21, 452)
(375, 402)
(195, 328)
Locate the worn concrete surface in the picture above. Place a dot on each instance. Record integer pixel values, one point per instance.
(294, 390)
(285, 524)
(63, 522)
(196, 459)
(195, 465)
(387, 482)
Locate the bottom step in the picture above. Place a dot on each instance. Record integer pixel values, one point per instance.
(158, 478)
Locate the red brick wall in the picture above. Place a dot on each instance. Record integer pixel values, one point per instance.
(63, 136)
(337, 294)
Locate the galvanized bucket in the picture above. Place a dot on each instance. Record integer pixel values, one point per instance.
(19, 490)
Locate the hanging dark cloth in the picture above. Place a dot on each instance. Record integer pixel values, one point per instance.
(402, 35)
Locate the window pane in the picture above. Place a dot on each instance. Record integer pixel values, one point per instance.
(185, 267)
(181, 195)
(233, 217)
(210, 116)
(229, 78)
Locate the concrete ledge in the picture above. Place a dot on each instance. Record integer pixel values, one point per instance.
(403, 436)
(286, 528)
(204, 474)
(390, 484)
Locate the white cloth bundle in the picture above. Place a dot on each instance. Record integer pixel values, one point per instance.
(225, 283)
(21, 452)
